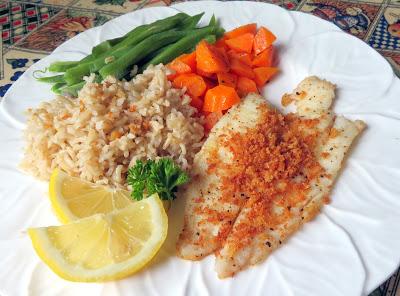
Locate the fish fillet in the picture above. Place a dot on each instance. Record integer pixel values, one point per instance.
(313, 98)
(210, 212)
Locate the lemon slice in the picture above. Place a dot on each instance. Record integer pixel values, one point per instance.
(104, 246)
(72, 198)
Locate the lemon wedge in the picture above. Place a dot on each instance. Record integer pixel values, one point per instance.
(104, 247)
(72, 198)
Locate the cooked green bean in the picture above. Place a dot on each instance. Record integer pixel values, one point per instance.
(94, 66)
(158, 42)
(56, 87)
(72, 89)
(97, 64)
(154, 28)
(106, 45)
(75, 74)
(210, 39)
(191, 22)
(103, 47)
(118, 68)
(219, 32)
(51, 79)
(62, 66)
(213, 21)
(182, 45)
(149, 57)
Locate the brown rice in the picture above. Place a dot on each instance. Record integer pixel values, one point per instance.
(99, 135)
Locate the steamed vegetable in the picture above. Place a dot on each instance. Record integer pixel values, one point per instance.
(197, 103)
(187, 59)
(52, 79)
(220, 98)
(265, 58)
(245, 86)
(263, 39)
(74, 75)
(214, 68)
(244, 57)
(249, 28)
(242, 43)
(182, 45)
(72, 90)
(239, 63)
(121, 65)
(263, 74)
(227, 79)
(191, 22)
(136, 35)
(241, 69)
(56, 88)
(106, 45)
(194, 84)
(158, 42)
(209, 59)
(62, 66)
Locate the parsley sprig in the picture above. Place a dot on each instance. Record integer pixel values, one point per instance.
(162, 176)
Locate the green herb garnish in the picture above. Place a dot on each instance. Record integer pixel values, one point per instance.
(162, 176)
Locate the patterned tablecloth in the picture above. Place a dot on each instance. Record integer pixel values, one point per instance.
(32, 29)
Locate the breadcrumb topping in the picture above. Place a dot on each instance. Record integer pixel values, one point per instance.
(273, 164)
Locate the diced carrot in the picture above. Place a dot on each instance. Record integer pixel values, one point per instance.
(209, 59)
(179, 67)
(211, 76)
(245, 86)
(195, 85)
(228, 79)
(265, 58)
(242, 43)
(249, 28)
(197, 103)
(241, 69)
(221, 42)
(210, 83)
(263, 39)
(264, 74)
(172, 76)
(189, 59)
(211, 119)
(220, 98)
(244, 57)
(223, 53)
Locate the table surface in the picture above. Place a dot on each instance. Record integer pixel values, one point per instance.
(32, 29)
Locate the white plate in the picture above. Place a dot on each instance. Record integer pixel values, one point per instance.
(347, 250)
